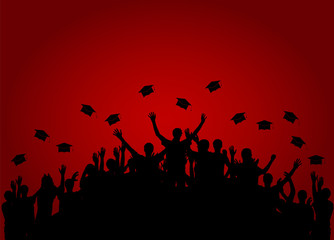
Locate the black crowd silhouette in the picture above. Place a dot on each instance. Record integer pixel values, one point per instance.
(152, 196)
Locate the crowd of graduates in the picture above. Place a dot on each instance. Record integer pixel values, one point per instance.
(152, 196)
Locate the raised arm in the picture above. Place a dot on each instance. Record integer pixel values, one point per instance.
(272, 159)
(122, 150)
(203, 118)
(118, 134)
(102, 154)
(117, 154)
(320, 183)
(288, 176)
(13, 187)
(96, 161)
(19, 183)
(153, 117)
(61, 188)
(292, 188)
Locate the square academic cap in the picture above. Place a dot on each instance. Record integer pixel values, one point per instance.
(290, 116)
(316, 159)
(183, 103)
(112, 119)
(146, 90)
(64, 147)
(41, 134)
(239, 117)
(18, 159)
(264, 125)
(86, 109)
(297, 141)
(213, 86)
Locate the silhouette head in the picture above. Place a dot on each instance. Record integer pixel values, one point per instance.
(267, 179)
(177, 133)
(90, 170)
(203, 145)
(148, 149)
(132, 166)
(9, 196)
(302, 196)
(24, 191)
(217, 145)
(326, 193)
(246, 155)
(69, 185)
(47, 182)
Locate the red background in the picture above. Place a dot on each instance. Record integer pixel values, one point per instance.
(270, 57)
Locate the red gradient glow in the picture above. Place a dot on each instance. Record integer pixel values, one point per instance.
(270, 58)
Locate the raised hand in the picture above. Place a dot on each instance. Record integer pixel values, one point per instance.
(273, 157)
(203, 117)
(297, 163)
(116, 152)
(102, 152)
(152, 116)
(314, 177)
(62, 170)
(95, 159)
(19, 181)
(232, 150)
(74, 176)
(117, 133)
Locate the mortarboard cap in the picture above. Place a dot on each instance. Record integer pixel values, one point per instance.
(146, 90)
(297, 141)
(112, 119)
(18, 159)
(183, 103)
(41, 134)
(264, 125)
(316, 159)
(64, 147)
(290, 116)
(86, 109)
(213, 86)
(239, 117)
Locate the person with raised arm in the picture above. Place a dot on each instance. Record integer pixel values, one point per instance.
(248, 172)
(323, 208)
(148, 165)
(176, 151)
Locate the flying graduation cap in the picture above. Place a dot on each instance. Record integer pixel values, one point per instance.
(213, 86)
(18, 159)
(183, 103)
(146, 90)
(290, 116)
(41, 134)
(297, 141)
(112, 119)
(238, 118)
(316, 159)
(64, 147)
(264, 125)
(87, 109)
